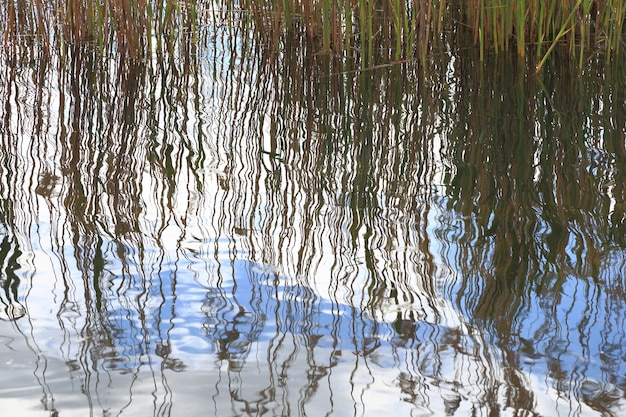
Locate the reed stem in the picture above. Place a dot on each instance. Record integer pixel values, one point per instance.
(407, 27)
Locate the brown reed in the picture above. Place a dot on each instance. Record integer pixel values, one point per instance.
(410, 28)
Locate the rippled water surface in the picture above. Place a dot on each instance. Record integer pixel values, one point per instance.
(225, 232)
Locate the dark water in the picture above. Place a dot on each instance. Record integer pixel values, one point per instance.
(226, 232)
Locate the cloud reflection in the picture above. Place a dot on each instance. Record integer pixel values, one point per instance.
(250, 234)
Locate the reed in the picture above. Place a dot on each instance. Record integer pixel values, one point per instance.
(408, 28)
(127, 27)
(342, 27)
(581, 26)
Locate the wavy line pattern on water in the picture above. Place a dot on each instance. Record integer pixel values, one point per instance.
(237, 233)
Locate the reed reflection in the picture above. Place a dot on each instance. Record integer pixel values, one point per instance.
(256, 233)
(11, 307)
(535, 224)
(73, 165)
(504, 216)
(345, 195)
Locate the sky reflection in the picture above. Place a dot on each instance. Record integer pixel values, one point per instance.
(239, 234)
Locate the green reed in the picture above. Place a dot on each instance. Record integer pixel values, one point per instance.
(410, 27)
(538, 26)
(407, 28)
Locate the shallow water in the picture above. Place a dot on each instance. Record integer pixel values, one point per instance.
(224, 232)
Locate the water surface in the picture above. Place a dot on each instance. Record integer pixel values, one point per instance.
(226, 231)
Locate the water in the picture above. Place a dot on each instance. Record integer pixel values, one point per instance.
(222, 231)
